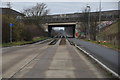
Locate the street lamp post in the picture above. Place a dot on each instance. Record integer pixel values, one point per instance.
(88, 10)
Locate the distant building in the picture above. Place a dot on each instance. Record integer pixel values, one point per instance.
(8, 11)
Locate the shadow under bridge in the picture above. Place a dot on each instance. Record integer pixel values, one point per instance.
(62, 29)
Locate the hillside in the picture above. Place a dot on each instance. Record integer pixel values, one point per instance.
(110, 33)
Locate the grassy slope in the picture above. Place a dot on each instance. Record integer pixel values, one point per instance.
(113, 29)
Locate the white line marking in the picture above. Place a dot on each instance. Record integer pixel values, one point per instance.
(104, 66)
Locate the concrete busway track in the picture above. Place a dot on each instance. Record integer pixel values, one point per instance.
(50, 61)
(106, 57)
(14, 58)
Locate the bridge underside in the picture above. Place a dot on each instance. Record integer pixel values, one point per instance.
(69, 29)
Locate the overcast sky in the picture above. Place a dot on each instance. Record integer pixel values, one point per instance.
(65, 7)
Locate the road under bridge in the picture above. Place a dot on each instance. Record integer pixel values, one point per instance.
(69, 28)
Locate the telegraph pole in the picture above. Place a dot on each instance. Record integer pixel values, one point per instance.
(99, 14)
(99, 20)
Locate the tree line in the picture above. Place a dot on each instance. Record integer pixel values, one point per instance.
(28, 27)
(88, 25)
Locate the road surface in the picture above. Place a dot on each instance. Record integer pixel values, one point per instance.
(49, 61)
(107, 56)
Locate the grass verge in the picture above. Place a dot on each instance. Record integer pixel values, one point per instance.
(36, 39)
(108, 45)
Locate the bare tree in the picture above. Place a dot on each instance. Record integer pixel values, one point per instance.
(84, 24)
(93, 22)
(39, 10)
(36, 14)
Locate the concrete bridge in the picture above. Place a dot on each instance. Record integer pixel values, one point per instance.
(80, 17)
(69, 27)
(74, 20)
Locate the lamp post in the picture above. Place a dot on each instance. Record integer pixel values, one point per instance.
(88, 10)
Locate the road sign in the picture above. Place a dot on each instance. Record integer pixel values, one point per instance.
(76, 35)
(11, 25)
